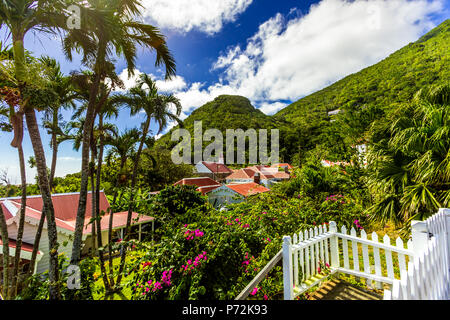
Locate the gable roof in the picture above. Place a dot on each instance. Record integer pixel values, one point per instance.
(247, 189)
(199, 182)
(282, 165)
(216, 167)
(66, 206)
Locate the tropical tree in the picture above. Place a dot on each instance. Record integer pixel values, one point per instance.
(409, 166)
(63, 88)
(21, 17)
(108, 26)
(161, 108)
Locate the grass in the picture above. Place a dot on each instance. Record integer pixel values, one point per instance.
(125, 293)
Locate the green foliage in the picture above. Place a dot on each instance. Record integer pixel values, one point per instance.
(409, 163)
(38, 285)
(204, 253)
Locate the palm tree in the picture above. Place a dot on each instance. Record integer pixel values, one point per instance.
(410, 162)
(20, 17)
(144, 97)
(66, 94)
(109, 26)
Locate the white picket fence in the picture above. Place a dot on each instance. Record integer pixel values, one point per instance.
(308, 254)
(428, 275)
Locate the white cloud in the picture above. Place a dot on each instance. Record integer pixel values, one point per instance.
(207, 16)
(175, 84)
(271, 108)
(286, 60)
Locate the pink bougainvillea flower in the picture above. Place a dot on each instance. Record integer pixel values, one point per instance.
(255, 291)
(266, 297)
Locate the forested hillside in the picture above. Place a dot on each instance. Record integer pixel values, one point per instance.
(364, 97)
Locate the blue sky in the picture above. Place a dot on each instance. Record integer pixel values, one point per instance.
(273, 52)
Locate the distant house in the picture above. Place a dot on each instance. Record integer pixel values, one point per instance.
(65, 206)
(265, 175)
(327, 163)
(334, 112)
(234, 193)
(214, 170)
(282, 165)
(204, 184)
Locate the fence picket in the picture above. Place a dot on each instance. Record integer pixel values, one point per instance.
(307, 259)
(412, 280)
(366, 257)
(388, 256)
(312, 254)
(345, 248)
(316, 233)
(322, 253)
(355, 252)
(301, 252)
(295, 241)
(327, 257)
(401, 257)
(377, 260)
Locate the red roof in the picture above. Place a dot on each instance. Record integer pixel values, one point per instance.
(265, 173)
(278, 165)
(6, 212)
(205, 190)
(216, 167)
(247, 189)
(199, 182)
(25, 246)
(66, 206)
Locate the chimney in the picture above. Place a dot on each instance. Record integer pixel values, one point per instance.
(257, 178)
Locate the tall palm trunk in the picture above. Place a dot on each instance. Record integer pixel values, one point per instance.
(87, 129)
(93, 206)
(55, 150)
(21, 219)
(131, 203)
(110, 227)
(33, 129)
(97, 204)
(37, 240)
(5, 240)
(49, 212)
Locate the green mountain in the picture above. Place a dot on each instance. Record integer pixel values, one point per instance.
(226, 112)
(392, 80)
(364, 97)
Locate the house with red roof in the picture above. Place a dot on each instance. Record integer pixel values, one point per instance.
(265, 175)
(204, 184)
(65, 206)
(215, 170)
(234, 193)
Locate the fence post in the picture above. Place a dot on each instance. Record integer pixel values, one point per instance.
(334, 247)
(287, 269)
(419, 232)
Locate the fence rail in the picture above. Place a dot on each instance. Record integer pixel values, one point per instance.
(307, 253)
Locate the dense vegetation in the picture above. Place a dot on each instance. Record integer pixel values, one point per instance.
(399, 107)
